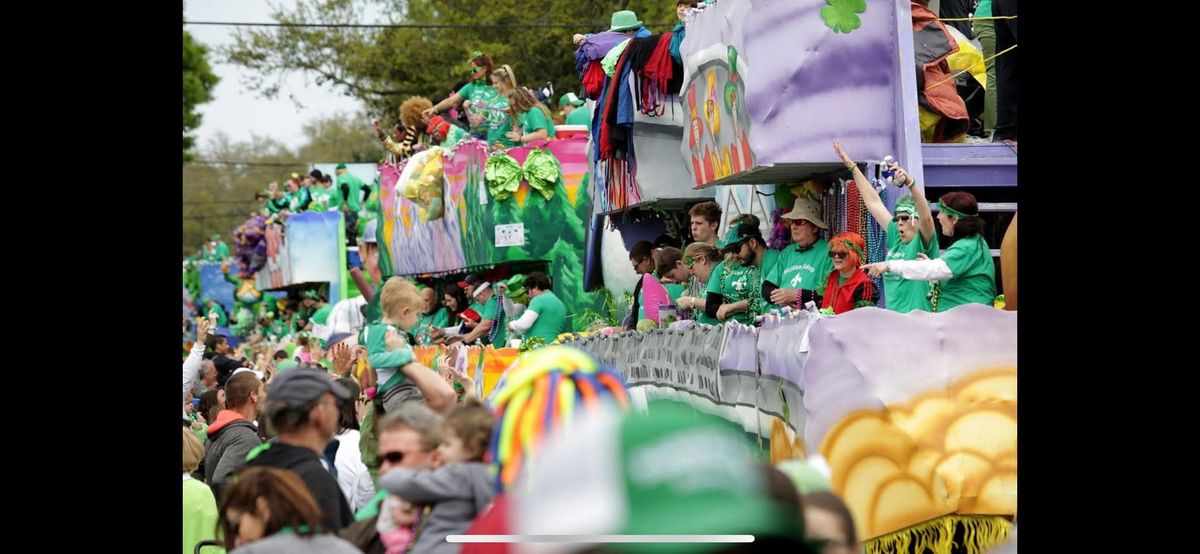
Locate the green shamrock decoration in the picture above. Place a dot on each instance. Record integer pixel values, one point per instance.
(841, 15)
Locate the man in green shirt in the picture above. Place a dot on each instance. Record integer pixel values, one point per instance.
(468, 285)
(801, 269)
(546, 316)
(493, 325)
(576, 114)
(217, 250)
(350, 187)
(735, 286)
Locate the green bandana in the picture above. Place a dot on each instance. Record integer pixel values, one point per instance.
(953, 212)
(856, 249)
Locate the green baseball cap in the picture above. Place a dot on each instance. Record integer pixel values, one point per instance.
(570, 98)
(670, 471)
(742, 233)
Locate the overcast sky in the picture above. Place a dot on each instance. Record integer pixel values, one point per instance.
(239, 112)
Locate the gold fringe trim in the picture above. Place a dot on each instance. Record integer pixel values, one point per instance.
(982, 533)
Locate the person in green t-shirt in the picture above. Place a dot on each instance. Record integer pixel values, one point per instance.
(484, 98)
(216, 250)
(351, 189)
(699, 258)
(323, 197)
(546, 316)
(214, 307)
(260, 202)
(910, 234)
(433, 317)
(671, 269)
(298, 195)
(329, 192)
(572, 107)
(735, 286)
(800, 270)
(965, 273)
(528, 120)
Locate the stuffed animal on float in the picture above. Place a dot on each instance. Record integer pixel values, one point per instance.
(251, 246)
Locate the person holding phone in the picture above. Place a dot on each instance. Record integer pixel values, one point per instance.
(910, 234)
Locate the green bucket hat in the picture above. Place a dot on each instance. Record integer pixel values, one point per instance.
(624, 20)
(515, 285)
(340, 166)
(667, 472)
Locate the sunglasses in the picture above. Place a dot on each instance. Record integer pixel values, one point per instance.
(393, 457)
(838, 254)
(903, 218)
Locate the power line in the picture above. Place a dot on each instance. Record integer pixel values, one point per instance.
(600, 25)
(203, 217)
(249, 164)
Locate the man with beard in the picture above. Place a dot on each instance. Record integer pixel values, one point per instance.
(735, 286)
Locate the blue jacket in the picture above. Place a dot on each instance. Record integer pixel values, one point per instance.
(676, 41)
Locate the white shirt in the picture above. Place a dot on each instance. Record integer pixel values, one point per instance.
(352, 475)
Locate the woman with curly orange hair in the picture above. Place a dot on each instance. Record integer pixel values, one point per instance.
(847, 286)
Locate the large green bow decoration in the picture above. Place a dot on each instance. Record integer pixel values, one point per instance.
(504, 174)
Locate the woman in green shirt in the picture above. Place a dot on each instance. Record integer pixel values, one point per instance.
(528, 120)
(965, 273)
(484, 98)
(699, 258)
(911, 217)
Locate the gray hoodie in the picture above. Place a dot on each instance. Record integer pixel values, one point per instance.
(230, 438)
(289, 543)
(458, 493)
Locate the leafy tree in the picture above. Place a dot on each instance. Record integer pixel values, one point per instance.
(198, 84)
(382, 67)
